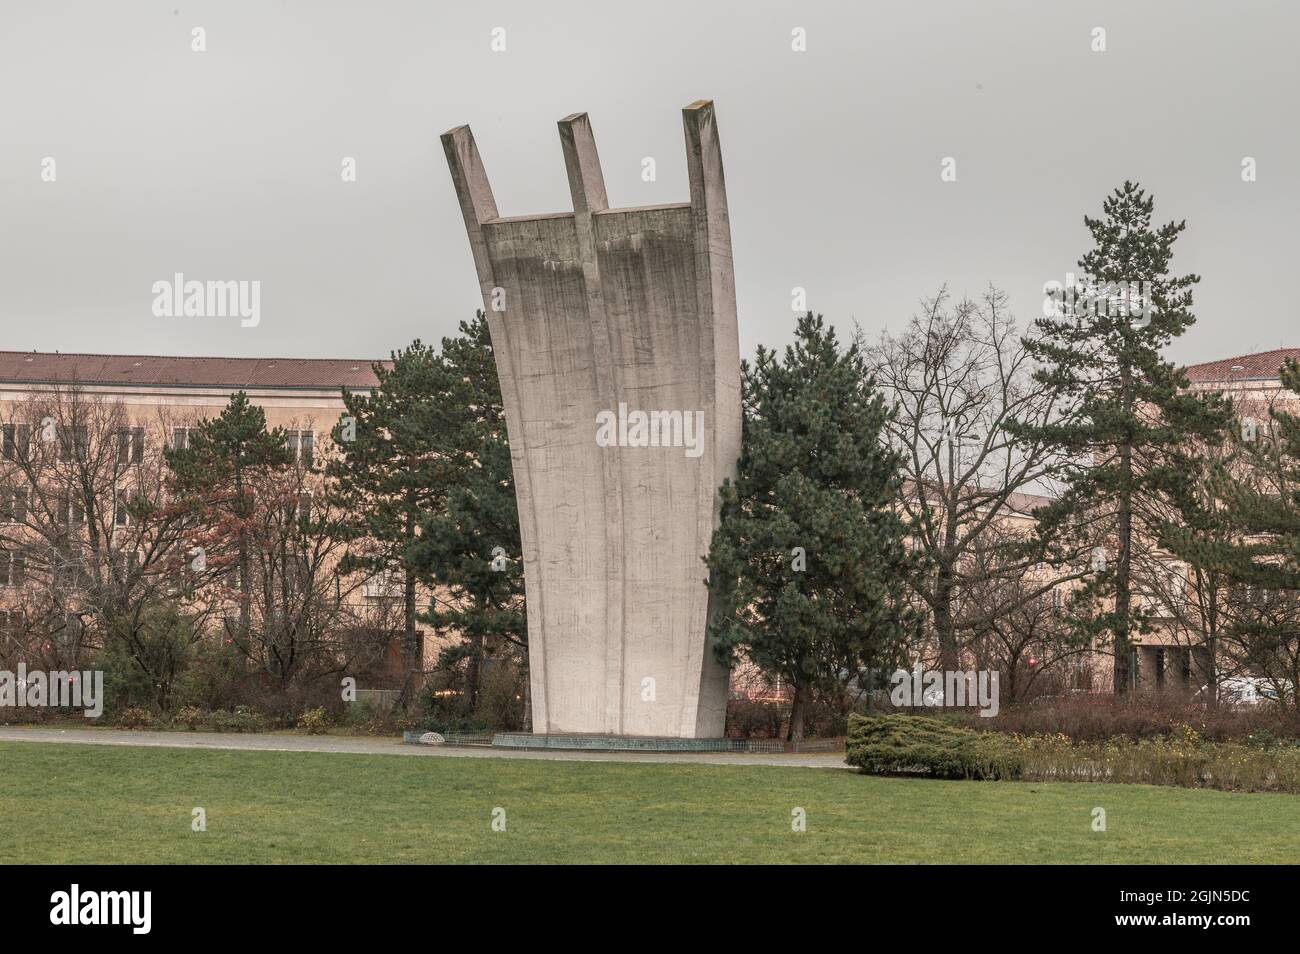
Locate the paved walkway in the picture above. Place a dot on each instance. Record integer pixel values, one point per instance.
(367, 745)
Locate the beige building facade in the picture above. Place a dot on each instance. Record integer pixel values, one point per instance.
(1172, 654)
(164, 396)
(160, 400)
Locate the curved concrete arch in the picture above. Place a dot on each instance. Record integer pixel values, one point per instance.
(597, 315)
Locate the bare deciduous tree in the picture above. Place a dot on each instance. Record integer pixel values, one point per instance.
(959, 375)
(91, 542)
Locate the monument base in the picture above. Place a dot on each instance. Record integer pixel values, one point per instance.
(616, 743)
(631, 743)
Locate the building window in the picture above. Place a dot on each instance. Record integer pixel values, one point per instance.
(130, 445)
(300, 445)
(13, 568)
(128, 562)
(13, 505)
(70, 511)
(299, 510)
(122, 508)
(70, 632)
(11, 626)
(74, 443)
(17, 441)
(71, 573)
(301, 568)
(181, 438)
(383, 585)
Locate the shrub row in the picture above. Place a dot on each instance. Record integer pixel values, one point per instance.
(315, 721)
(238, 719)
(1187, 760)
(940, 748)
(1102, 716)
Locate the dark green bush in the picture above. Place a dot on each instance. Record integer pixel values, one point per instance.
(896, 744)
(501, 696)
(126, 686)
(144, 658)
(216, 678)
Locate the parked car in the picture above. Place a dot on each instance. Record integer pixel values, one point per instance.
(1244, 691)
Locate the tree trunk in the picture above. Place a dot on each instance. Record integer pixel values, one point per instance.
(528, 700)
(245, 597)
(1212, 683)
(944, 627)
(473, 672)
(799, 712)
(410, 644)
(1124, 557)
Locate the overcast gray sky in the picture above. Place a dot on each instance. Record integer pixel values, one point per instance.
(225, 164)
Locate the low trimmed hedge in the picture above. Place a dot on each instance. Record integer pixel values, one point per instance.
(930, 745)
(903, 744)
(1185, 760)
(239, 719)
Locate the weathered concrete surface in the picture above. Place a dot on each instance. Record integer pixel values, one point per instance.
(604, 307)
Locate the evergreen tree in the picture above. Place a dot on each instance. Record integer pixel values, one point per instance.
(808, 568)
(1193, 523)
(390, 472)
(212, 474)
(469, 549)
(1268, 509)
(1256, 495)
(1100, 356)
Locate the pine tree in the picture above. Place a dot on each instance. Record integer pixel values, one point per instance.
(1191, 524)
(1269, 509)
(390, 472)
(212, 474)
(1100, 356)
(469, 550)
(1256, 496)
(808, 568)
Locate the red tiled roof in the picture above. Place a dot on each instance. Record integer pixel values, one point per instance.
(1026, 503)
(1016, 501)
(35, 367)
(1248, 367)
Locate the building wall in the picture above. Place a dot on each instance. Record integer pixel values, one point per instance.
(160, 410)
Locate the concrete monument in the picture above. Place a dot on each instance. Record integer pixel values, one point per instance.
(616, 347)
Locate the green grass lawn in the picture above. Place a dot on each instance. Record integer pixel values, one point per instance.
(86, 803)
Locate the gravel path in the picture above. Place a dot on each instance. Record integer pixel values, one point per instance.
(270, 742)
